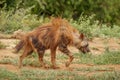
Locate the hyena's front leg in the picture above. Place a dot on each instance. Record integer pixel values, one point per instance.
(53, 58)
(65, 50)
(41, 54)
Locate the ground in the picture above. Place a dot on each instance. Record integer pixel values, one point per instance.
(97, 47)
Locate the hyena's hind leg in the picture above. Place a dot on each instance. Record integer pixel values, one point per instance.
(38, 48)
(27, 51)
(64, 49)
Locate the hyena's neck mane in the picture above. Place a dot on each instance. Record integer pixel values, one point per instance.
(62, 29)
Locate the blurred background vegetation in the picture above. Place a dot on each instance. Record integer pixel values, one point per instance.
(89, 16)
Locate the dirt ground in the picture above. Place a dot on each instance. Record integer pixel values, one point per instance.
(97, 47)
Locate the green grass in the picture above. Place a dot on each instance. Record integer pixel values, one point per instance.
(103, 59)
(2, 46)
(82, 73)
(30, 60)
(7, 75)
(107, 76)
(108, 58)
(93, 68)
(90, 27)
(47, 74)
(38, 74)
(13, 61)
(19, 20)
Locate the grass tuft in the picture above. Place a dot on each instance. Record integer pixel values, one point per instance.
(2, 46)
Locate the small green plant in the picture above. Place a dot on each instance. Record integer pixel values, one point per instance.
(2, 46)
(94, 48)
(8, 60)
(31, 62)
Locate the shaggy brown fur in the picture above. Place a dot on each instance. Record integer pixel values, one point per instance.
(59, 34)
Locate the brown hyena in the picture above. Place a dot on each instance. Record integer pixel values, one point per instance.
(57, 34)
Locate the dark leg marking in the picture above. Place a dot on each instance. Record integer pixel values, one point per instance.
(65, 50)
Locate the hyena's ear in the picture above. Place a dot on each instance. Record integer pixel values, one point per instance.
(81, 36)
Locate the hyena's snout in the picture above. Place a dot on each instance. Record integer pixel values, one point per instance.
(84, 49)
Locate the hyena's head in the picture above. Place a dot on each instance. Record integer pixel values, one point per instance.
(81, 43)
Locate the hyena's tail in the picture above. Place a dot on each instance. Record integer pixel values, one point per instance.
(32, 41)
(19, 46)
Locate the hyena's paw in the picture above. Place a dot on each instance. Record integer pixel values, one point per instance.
(45, 67)
(67, 64)
(55, 67)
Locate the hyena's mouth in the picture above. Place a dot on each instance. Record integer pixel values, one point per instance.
(84, 49)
